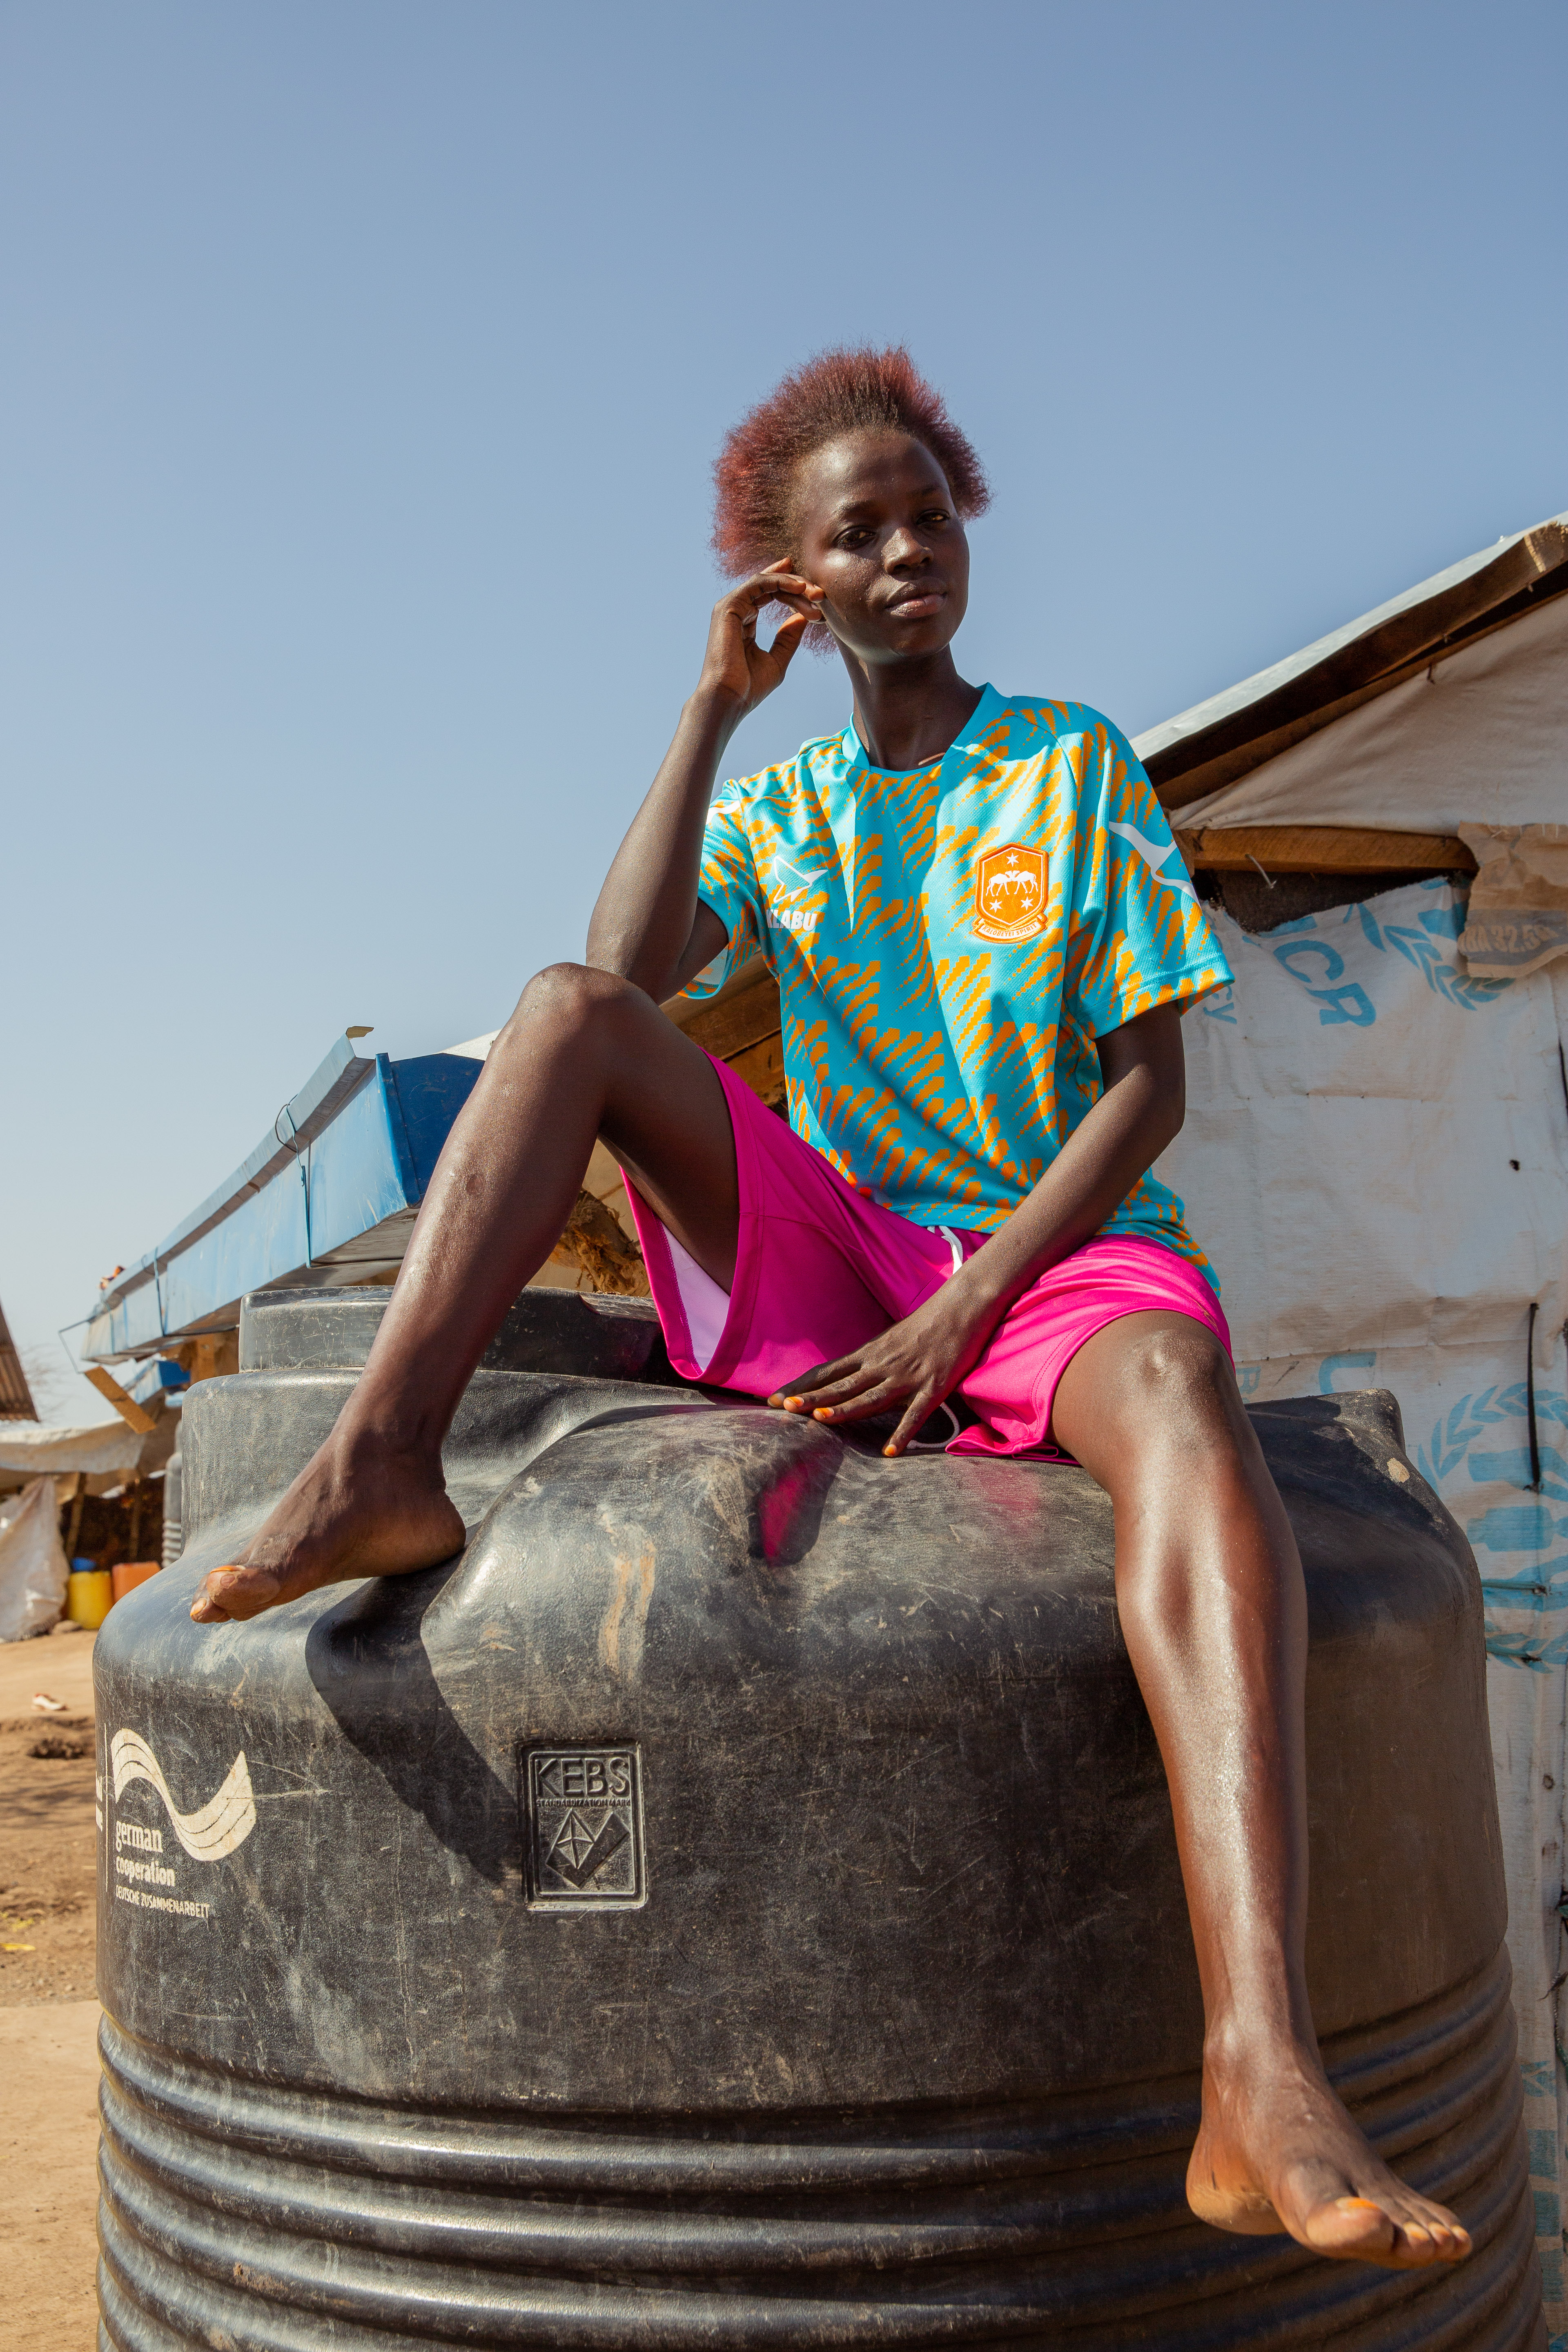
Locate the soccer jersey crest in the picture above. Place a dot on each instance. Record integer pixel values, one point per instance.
(1010, 893)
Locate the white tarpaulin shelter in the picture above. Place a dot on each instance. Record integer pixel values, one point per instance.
(106, 1452)
(1477, 735)
(1376, 1152)
(30, 1447)
(33, 1567)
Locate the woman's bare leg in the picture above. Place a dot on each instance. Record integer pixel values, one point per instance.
(1213, 1609)
(585, 1054)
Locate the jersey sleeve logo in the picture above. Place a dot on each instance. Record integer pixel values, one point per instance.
(1156, 860)
(1010, 893)
(797, 899)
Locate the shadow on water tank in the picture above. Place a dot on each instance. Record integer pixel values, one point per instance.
(736, 1904)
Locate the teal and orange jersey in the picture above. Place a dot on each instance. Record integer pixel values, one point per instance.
(948, 944)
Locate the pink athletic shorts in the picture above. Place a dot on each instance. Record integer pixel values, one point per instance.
(821, 1268)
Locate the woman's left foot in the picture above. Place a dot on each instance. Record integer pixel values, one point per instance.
(1277, 2153)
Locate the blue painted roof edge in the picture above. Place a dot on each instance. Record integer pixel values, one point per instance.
(363, 1134)
(316, 1105)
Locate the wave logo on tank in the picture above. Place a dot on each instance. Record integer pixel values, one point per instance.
(215, 1829)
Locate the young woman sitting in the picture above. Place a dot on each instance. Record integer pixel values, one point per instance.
(985, 940)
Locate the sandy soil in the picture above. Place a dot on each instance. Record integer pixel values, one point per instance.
(47, 1849)
(61, 1664)
(49, 2025)
(48, 2187)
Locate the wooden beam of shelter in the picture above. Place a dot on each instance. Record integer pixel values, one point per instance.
(740, 1013)
(1322, 849)
(125, 1406)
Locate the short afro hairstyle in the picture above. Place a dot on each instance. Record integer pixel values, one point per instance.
(838, 392)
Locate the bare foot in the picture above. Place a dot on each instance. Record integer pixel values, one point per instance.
(359, 1512)
(1277, 2152)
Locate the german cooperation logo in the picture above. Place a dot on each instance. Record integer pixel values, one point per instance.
(142, 1871)
(583, 1809)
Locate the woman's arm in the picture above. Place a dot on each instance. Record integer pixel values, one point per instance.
(648, 925)
(924, 1358)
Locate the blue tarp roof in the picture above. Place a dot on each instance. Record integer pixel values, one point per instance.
(329, 1195)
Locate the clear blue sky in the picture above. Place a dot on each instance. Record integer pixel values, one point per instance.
(364, 366)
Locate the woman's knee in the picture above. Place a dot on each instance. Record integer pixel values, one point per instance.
(1181, 1375)
(570, 1000)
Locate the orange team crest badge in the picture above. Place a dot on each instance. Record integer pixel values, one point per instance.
(1010, 893)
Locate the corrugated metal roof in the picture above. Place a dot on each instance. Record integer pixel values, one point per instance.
(15, 1396)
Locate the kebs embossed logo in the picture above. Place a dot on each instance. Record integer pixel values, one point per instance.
(583, 1812)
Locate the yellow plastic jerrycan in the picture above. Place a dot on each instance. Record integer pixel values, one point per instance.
(89, 1595)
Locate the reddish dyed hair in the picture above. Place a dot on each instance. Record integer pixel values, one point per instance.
(838, 392)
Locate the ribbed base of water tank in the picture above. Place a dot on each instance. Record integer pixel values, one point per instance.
(259, 2218)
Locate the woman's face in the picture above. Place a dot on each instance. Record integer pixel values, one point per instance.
(875, 528)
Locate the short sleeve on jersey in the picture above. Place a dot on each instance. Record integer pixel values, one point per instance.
(728, 883)
(1138, 936)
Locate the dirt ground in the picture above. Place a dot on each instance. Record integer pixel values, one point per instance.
(48, 2019)
(47, 1850)
(48, 2150)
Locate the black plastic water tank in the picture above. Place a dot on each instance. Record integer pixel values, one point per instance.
(736, 1904)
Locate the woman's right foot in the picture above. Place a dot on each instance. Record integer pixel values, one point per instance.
(1278, 2152)
(365, 1513)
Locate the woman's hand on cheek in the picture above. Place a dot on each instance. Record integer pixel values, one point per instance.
(735, 666)
(916, 1364)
